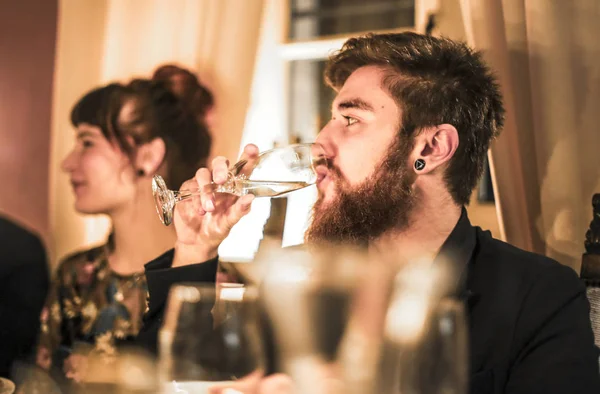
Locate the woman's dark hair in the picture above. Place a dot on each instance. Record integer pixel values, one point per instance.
(157, 113)
(186, 86)
(94, 106)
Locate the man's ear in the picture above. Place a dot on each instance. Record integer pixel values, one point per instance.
(434, 147)
(150, 156)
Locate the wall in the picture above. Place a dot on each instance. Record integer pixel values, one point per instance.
(450, 24)
(79, 55)
(105, 40)
(27, 47)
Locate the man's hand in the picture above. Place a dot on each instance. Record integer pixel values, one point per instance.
(204, 221)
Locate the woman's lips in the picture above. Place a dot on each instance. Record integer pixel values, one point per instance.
(77, 185)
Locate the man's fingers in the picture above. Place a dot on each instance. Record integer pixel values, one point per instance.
(250, 152)
(203, 177)
(193, 206)
(206, 199)
(243, 204)
(276, 384)
(250, 155)
(220, 169)
(239, 210)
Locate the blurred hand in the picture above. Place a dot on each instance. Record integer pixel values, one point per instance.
(253, 384)
(204, 221)
(323, 383)
(277, 384)
(75, 367)
(43, 358)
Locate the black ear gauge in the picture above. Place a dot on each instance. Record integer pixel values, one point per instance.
(140, 172)
(419, 164)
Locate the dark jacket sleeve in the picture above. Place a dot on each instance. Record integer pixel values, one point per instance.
(23, 289)
(160, 277)
(554, 350)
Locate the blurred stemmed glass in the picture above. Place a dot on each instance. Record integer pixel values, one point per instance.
(275, 172)
(426, 336)
(349, 322)
(210, 341)
(313, 298)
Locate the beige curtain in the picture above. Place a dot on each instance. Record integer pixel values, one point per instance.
(546, 164)
(104, 40)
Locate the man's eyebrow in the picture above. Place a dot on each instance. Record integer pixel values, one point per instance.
(355, 103)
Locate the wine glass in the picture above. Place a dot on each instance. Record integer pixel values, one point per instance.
(317, 300)
(426, 338)
(275, 172)
(210, 341)
(435, 364)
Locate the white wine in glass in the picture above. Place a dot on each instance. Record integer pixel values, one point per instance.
(275, 172)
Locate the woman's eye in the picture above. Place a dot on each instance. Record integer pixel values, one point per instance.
(349, 120)
(87, 144)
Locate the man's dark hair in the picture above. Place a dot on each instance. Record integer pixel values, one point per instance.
(433, 81)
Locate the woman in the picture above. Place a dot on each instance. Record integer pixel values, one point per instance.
(125, 135)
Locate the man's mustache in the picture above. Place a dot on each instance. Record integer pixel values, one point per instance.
(334, 172)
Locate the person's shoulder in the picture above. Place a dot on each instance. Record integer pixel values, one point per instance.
(20, 248)
(514, 264)
(13, 234)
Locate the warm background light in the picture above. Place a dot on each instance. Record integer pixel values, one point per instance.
(545, 165)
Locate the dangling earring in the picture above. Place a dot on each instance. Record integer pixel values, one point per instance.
(140, 172)
(419, 164)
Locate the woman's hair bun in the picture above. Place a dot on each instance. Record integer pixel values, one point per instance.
(185, 85)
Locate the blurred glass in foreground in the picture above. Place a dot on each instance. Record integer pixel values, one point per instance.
(210, 342)
(346, 321)
(326, 308)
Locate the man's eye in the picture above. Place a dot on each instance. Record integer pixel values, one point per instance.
(349, 120)
(87, 144)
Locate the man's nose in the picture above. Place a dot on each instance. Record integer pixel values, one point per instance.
(326, 140)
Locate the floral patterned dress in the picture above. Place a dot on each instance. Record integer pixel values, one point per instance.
(90, 307)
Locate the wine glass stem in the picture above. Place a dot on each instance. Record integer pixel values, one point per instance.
(227, 187)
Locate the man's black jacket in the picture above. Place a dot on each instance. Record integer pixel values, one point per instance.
(530, 331)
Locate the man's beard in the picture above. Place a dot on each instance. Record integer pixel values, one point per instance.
(360, 214)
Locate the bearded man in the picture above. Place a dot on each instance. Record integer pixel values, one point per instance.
(410, 129)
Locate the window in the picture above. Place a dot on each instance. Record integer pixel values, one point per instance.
(310, 19)
(309, 101)
(289, 100)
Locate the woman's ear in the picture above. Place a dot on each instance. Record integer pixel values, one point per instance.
(150, 156)
(434, 147)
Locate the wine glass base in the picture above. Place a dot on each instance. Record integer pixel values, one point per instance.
(164, 200)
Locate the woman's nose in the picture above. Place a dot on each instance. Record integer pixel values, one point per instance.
(68, 163)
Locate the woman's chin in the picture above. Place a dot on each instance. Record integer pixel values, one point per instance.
(88, 209)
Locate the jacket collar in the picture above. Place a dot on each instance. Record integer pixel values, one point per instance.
(457, 252)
